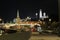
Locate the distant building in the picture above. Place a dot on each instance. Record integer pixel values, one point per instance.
(17, 19)
(42, 15)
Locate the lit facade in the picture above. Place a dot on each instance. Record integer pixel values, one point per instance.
(42, 15)
(17, 19)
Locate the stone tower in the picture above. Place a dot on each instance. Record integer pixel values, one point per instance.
(18, 18)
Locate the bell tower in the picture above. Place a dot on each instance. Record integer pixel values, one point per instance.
(18, 14)
(18, 18)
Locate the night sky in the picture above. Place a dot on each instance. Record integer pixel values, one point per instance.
(28, 8)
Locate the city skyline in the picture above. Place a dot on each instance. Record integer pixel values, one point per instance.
(28, 8)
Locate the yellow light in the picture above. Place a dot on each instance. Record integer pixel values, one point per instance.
(0, 19)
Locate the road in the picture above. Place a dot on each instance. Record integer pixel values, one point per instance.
(27, 35)
(44, 37)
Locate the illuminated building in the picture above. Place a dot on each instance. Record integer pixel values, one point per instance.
(17, 19)
(19, 22)
(42, 15)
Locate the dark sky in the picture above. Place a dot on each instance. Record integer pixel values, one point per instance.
(28, 8)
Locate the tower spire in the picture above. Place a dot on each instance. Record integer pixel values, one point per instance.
(40, 14)
(18, 18)
(17, 13)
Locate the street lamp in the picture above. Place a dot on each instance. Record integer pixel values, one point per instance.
(36, 15)
(49, 20)
(0, 19)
